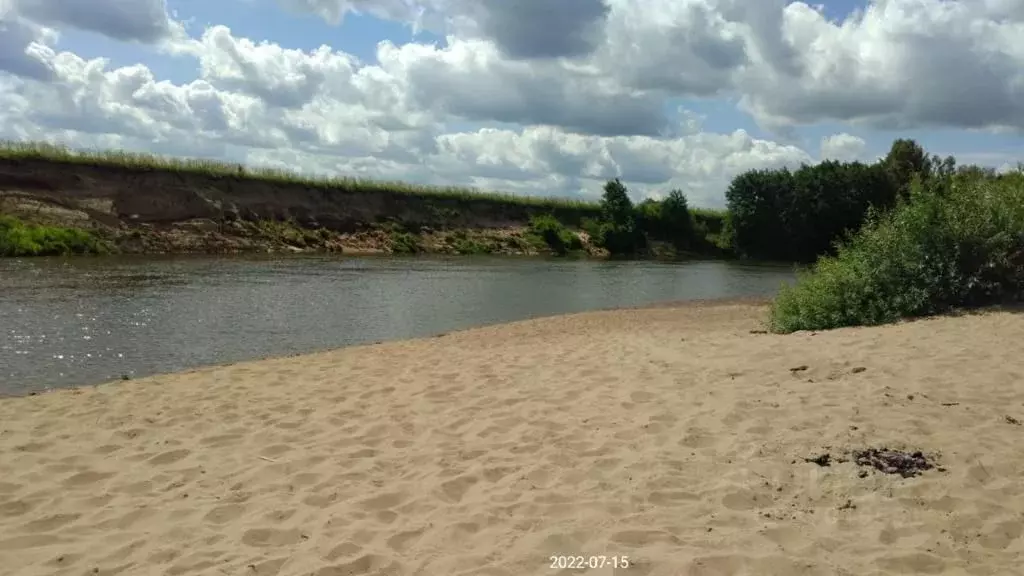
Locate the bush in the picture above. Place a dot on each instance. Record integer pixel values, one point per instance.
(404, 243)
(470, 246)
(560, 239)
(956, 243)
(20, 239)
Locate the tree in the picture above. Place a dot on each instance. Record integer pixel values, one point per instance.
(677, 222)
(616, 207)
(905, 161)
(756, 200)
(618, 220)
(798, 216)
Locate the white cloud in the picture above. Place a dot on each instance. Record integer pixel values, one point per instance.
(557, 100)
(898, 64)
(843, 147)
(134, 20)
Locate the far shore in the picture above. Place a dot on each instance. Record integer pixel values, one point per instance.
(672, 439)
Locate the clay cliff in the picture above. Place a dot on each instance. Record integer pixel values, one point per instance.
(144, 209)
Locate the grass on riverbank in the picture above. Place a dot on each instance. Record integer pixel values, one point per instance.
(955, 245)
(20, 239)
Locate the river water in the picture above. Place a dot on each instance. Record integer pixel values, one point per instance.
(68, 322)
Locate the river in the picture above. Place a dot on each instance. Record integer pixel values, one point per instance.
(77, 321)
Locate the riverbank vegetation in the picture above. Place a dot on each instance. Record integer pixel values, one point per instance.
(20, 239)
(955, 239)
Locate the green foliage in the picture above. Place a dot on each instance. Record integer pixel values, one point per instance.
(712, 231)
(289, 232)
(958, 242)
(905, 161)
(618, 232)
(555, 236)
(616, 207)
(677, 222)
(668, 220)
(798, 216)
(405, 243)
(20, 239)
(470, 246)
(757, 202)
(649, 218)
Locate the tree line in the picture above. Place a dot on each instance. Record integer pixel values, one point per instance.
(778, 215)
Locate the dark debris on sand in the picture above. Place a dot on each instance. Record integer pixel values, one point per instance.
(905, 464)
(821, 460)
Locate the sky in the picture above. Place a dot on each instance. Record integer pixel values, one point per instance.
(538, 97)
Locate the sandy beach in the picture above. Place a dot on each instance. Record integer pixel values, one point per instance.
(674, 440)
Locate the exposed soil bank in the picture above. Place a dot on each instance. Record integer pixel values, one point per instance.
(144, 210)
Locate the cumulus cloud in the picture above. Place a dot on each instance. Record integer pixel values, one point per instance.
(530, 29)
(132, 20)
(527, 96)
(469, 79)
(521, 29)
(843, 147)
(898, 64)
(22, 46)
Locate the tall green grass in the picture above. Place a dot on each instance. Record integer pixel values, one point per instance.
(20, 239)
(39, 151)
(955, 244)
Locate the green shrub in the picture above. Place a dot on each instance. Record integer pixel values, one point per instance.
(20, 239)
(466, 245)
(405, 243)
(956, 243)
(557, 237)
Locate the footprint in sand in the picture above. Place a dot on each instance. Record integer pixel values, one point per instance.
(275, 450)
(265, 568)
(368, 564)
(662, 498)
(271, 537)
(31, 541)
(224, 514)
(916, 563)
(343, 550)
(384, 501)
(455, 490)
(741, 500)
(220, 439)
(401, 541)
(640, 538)
(9, 487)
(169, 457)
(86, 478)
(1002, 535)
(50, 522)
(641, 396)
(32, 447)
(386, 516)
(15, 508)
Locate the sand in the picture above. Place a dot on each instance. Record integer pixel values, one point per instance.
(674, 437)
